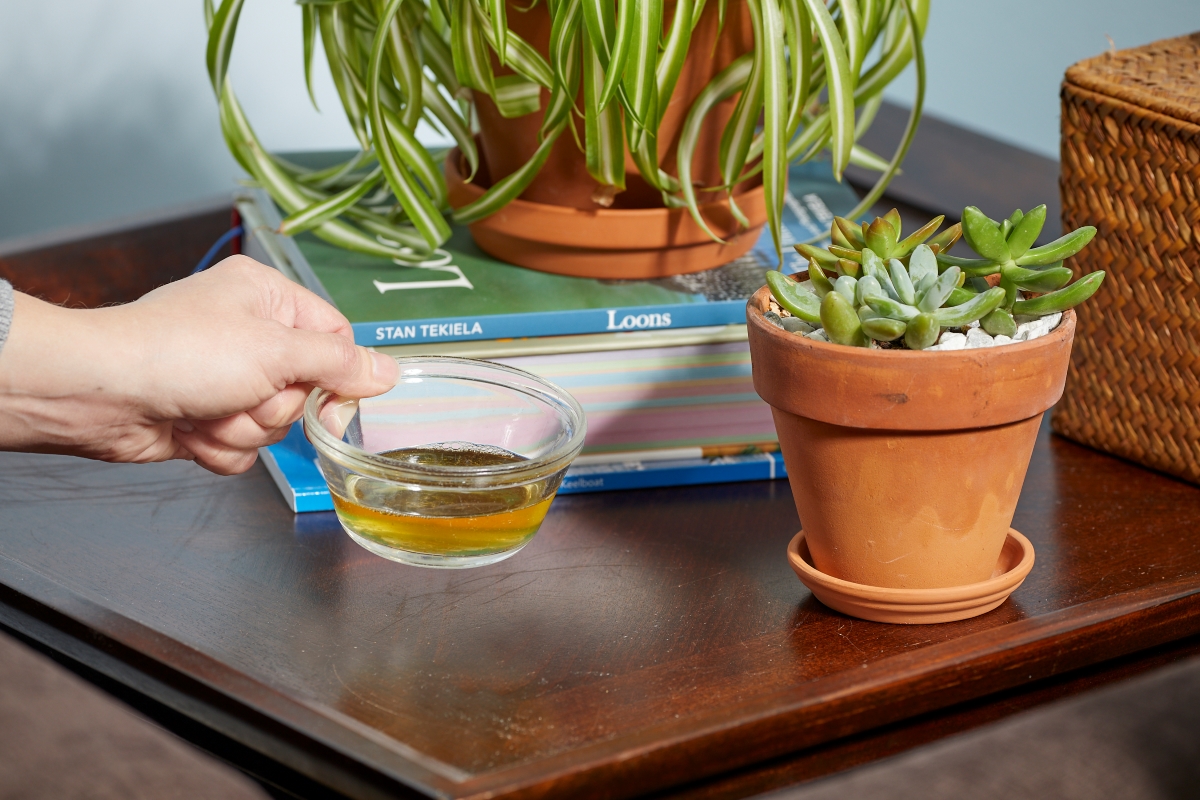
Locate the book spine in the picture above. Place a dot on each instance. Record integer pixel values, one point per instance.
(765, 466)
(550, 323)
(304, 490)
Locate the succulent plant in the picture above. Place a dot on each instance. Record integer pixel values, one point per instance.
(870, 285)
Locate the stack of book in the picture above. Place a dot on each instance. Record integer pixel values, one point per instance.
(661, 367)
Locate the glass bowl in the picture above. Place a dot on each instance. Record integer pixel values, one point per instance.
(455, 466)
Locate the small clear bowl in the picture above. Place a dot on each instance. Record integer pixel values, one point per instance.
(454, 467)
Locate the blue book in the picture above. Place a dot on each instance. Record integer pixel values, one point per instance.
(293, 465)
(474, 297)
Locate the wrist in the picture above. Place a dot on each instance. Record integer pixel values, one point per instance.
(60, 385)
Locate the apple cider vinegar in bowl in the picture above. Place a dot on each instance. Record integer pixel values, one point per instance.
(456, 466)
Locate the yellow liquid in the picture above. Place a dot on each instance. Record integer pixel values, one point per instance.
(445, 522)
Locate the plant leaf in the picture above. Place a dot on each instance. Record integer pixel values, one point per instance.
(291, 196)
(499, 20)
(424, 216)
(469, 49)
(508, 188)
(310, 26)
(739, 132)
(614, 70)
(330, 24)
(840, 82)
(220, 41)
(775, 84)
(798, 31)
(319, 213)
(725, 84)
(639, 77)
(674, 53)
(914, 115)
(604, 131)
(517, 96)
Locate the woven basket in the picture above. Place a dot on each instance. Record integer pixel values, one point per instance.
(1131, 167)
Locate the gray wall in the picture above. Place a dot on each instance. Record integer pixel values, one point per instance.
(995, 67)
(105, 109)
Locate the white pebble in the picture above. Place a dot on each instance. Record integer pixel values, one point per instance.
(818, 335)
(973, 323)
(950, 341)
(977, 337)
(1001, 339)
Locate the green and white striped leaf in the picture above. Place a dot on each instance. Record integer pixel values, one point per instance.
(469, 48)
(437, 56)
(517, 96)
(509, 188)
(775, 85)
(318, 214)
(739, 132)
(598, 16)
(853, 35)
(445, 113)
(220, 41)
(416, 157)
(566, 58)
(424, 216)
(499, 20)
(640, 78)
(614, 69)
(604, 135)
(914, 115)
(728, 82)
(798, 33)
(330, 18)
(897, 56)
(285, 191)
(522, 58)
(674, 53)
(840, 81)
(402, 54)
(310, 25)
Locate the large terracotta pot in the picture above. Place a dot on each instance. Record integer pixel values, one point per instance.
(637, 229)
(906, 466)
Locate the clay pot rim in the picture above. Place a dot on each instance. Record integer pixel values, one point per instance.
(918, 601)
(456, 179)
(871, 357)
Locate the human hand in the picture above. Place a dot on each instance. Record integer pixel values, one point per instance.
(208, 368)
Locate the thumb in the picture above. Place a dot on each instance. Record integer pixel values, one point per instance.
(331, 361)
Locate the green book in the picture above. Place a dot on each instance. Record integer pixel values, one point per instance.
(474, 297)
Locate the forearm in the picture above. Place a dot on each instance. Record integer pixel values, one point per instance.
(60, 384)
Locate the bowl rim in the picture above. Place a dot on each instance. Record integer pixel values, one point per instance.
(382, 467)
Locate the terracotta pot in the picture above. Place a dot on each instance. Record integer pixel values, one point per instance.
(636, 224)
(906, 466)
(608, 243)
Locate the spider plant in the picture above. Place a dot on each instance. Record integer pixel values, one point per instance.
(812, 84)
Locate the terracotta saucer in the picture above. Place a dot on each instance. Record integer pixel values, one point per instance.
(916, 606)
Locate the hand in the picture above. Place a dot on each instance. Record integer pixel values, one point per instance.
(209, 368)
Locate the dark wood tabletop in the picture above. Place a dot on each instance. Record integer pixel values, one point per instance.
(646, 643)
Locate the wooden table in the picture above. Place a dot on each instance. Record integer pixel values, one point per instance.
(648, 643)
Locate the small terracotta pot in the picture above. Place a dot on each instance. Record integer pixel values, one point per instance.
(905, 466)
(635, 237)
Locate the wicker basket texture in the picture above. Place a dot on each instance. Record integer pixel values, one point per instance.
(1131, 167)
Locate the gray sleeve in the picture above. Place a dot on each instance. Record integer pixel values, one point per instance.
(6, 310)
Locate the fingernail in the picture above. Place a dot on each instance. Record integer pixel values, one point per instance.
(384, 369)
(184, 425)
